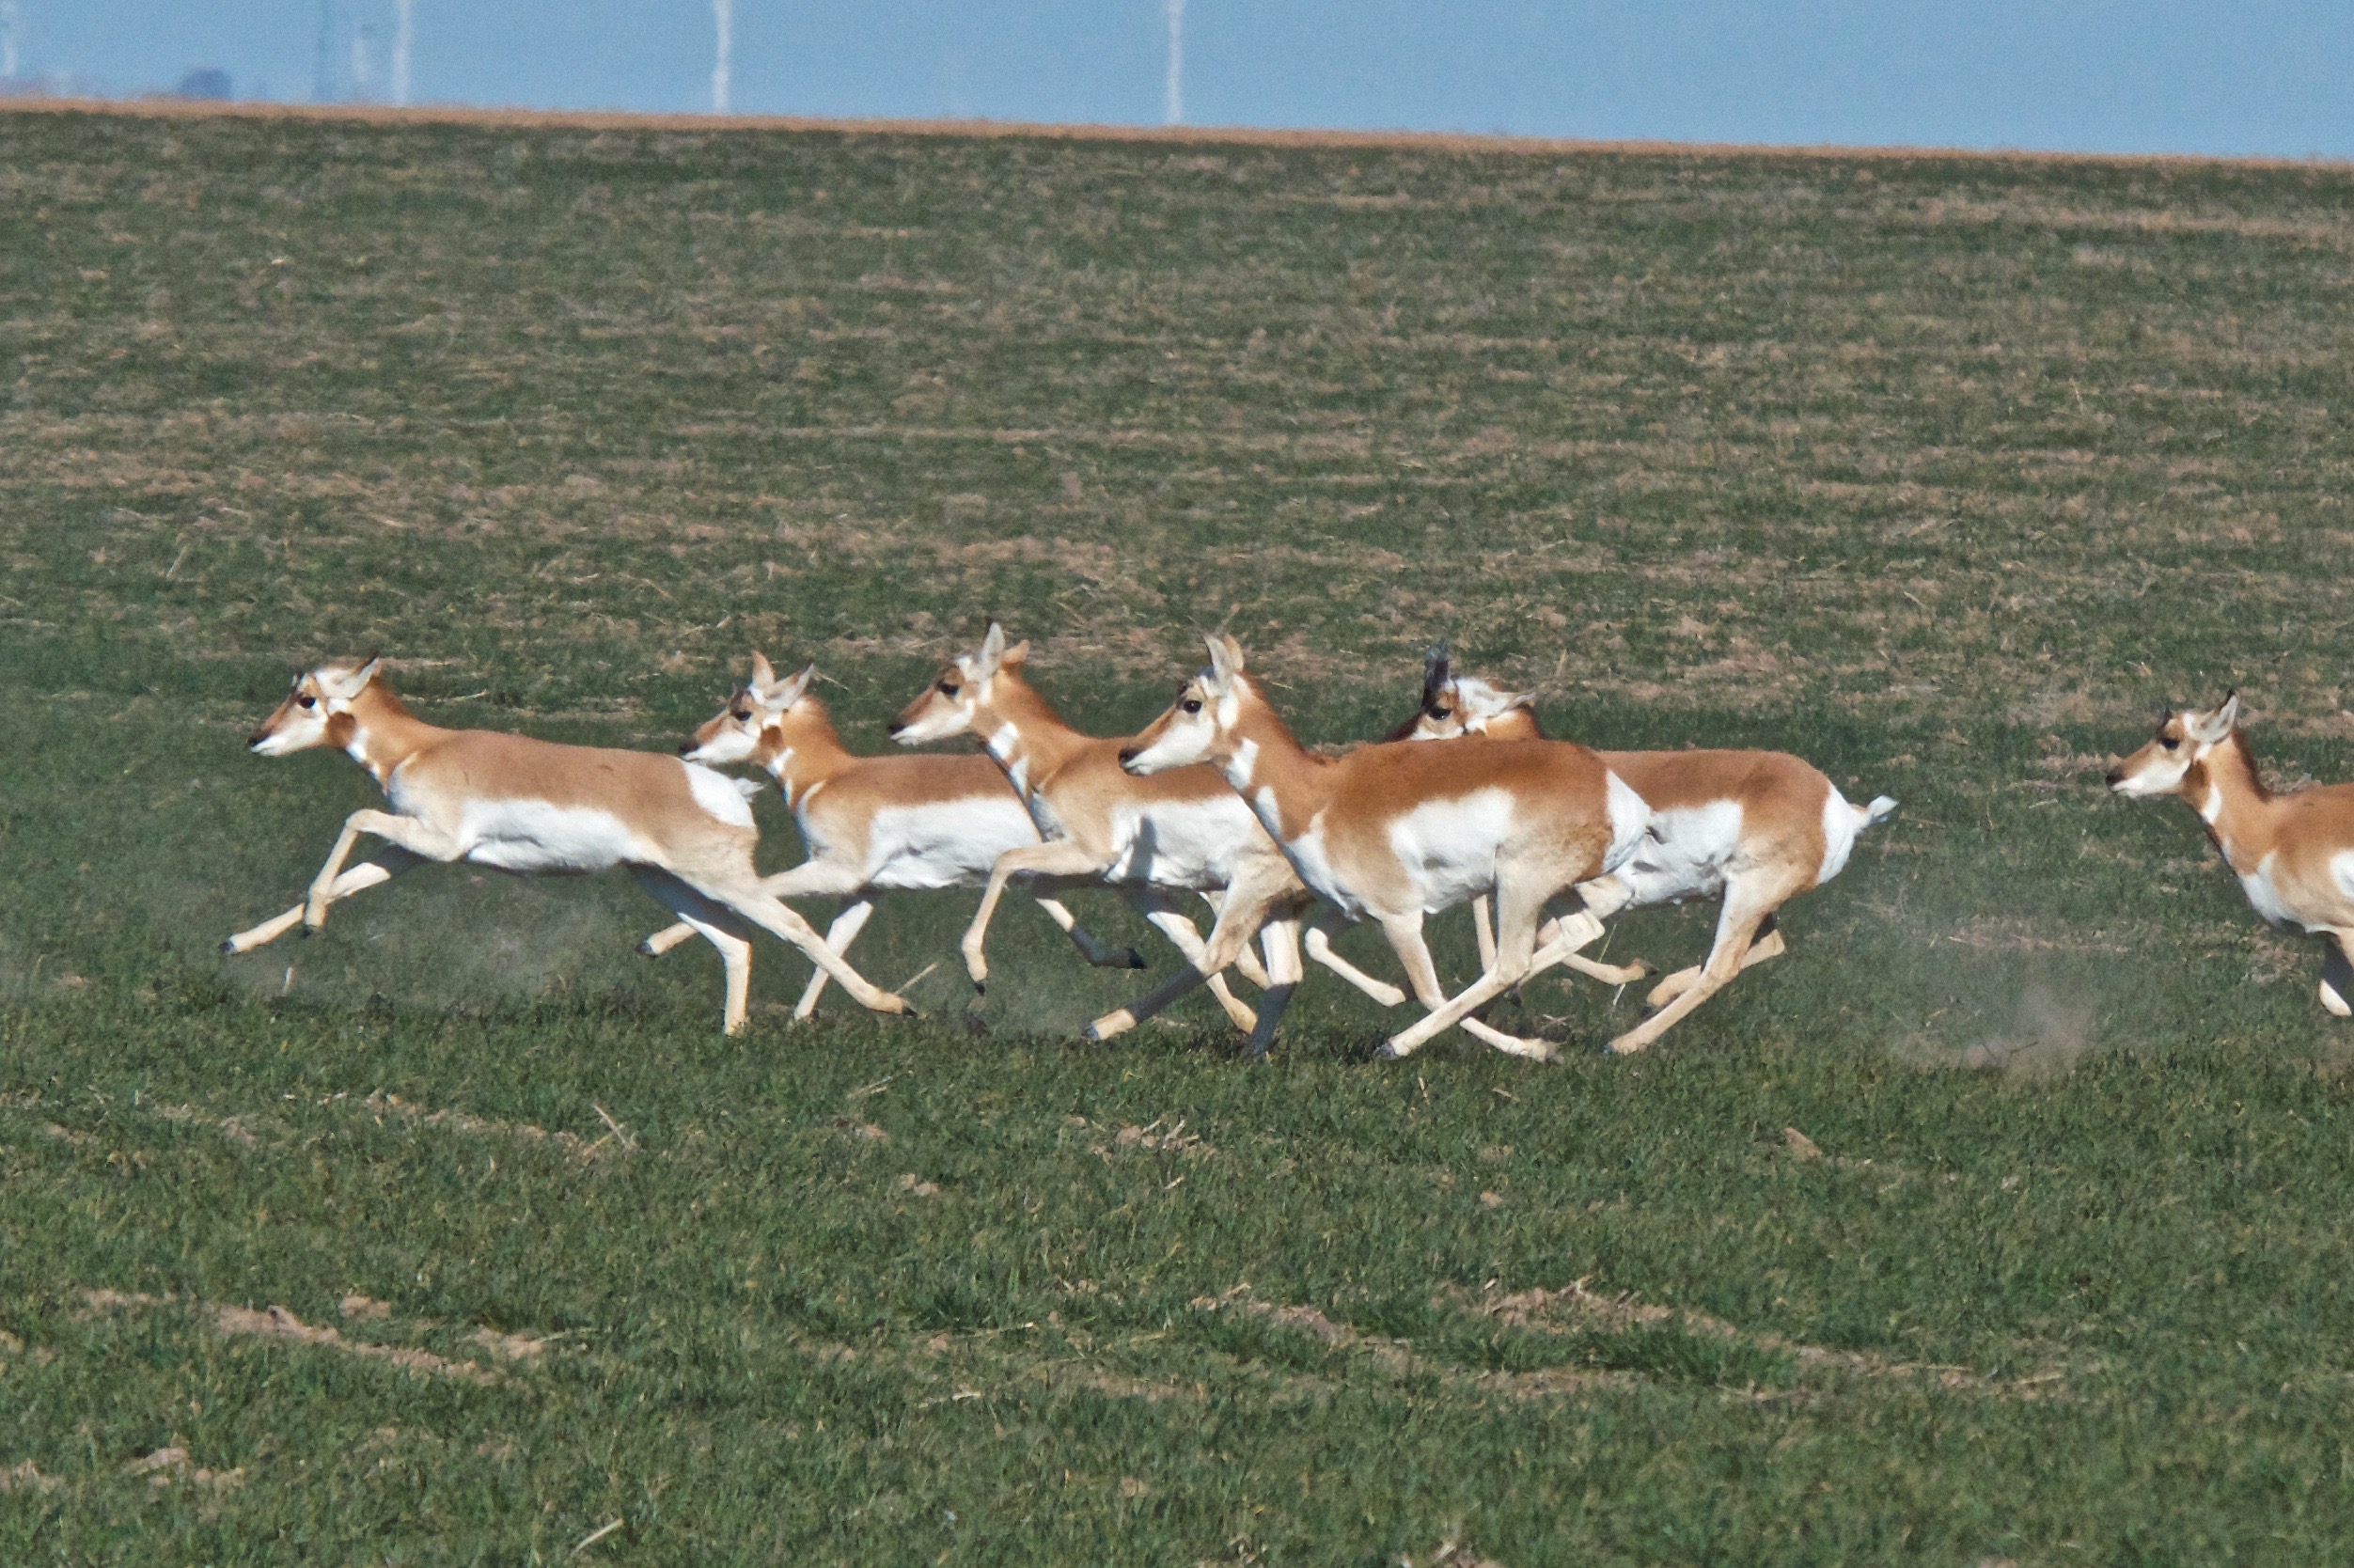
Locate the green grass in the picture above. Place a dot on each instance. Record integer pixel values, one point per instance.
(1938, 472)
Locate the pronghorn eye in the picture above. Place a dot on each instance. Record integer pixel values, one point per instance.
(1440, 713)
(947, 688)
(2169, 742)
(1191, 705)
(307, 700)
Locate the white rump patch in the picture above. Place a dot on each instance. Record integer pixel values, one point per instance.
(719, 795)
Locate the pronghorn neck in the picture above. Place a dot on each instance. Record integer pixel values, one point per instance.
(1285, 783)
(802, 750)
(378, 733)
(2224, 788)
(1022, 731)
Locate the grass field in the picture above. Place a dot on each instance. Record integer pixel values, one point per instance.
(456, 1234)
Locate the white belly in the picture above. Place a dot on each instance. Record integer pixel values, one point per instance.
(1448, 847)
(1180, 844)
(943, 844)
(1687, 855)
(533, 835)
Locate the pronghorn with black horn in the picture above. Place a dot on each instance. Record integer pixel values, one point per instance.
(872, 824)
(2293, 853)
(1393, 833)
(1186, 832)
(534, 807)
(1755, 828)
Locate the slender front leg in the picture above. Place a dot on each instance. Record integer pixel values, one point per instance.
(1484, 932)
(389, 861)
(752, 900)
(1245, 964)
(1094, 951)
(1320, 949)
(1736, 926)
(1186, 936)
(1280, 938)
(1769, 945)
(418, 837)
(1515, 964)
(1059, 858)
(668, 937)
(838, 936)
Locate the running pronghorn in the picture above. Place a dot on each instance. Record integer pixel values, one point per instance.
(872, 823)
(533, 807)
(2294, 853)
(1394, 831)
(1756, 829)
(1185, 832)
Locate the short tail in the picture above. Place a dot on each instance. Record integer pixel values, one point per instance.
(1881, 808)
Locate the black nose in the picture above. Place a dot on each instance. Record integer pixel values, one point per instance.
(894, 726)
(2116, 776)
(256, 739)
(1129, 754)
(687, 748)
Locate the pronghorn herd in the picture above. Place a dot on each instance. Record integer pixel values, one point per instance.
(1465, 802)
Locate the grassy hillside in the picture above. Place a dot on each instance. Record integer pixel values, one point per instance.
(456, 1233)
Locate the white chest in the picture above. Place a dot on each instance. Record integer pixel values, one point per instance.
(1311, 859)
(2263, 896)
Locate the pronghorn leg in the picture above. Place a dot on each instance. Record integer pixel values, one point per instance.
(1186, 938)
(1745, 909)
(1244, 912)
(2337, 972)
(1608, 974)
(1059, 858)
(1320, 949)
(1414, 955)
(751, 900)
(1280, 938)
(697, 916)
(1245, 961)
(420, 838)
(1093, 950)
(1769, 945)
(668, 937)
(1484, 931)
(838, 936)
(389, 861)
(1515, 963)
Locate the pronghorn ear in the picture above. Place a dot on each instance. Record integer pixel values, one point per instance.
(1222, 665)
(343, 684)
(1016, 653)
(1234, 654)
(992, 652)
(1507, 701)
(2213, 729)
(790, 693)
(763, 676)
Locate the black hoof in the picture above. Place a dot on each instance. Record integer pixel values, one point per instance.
(229, 946)
(1136, 959)
(981, 988)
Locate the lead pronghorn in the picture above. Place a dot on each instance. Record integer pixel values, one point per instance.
(2293, 853)
(1756, 829)
(1148, 838)
(872, 823)
(1393, 832)
(533, 807)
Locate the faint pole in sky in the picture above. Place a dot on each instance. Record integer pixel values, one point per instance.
(364, 64)
(1173, 90)
(11, 19)
(321, 91)
(723, 23)
(403, 34)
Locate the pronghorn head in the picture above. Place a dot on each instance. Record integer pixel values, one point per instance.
(1199, 726)
(318, 712)
(2182, 742)
(957, 693)
(751, 727)
(1456, 705)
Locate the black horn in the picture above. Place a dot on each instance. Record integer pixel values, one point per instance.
(1435, 671)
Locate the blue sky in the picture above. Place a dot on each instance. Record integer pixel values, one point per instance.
(2233, 76)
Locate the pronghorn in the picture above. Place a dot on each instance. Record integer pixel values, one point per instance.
(1185, 832)
(871, 823)
(2293, 853)
(1755, 827)
(1393, 832)
(533, 807)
